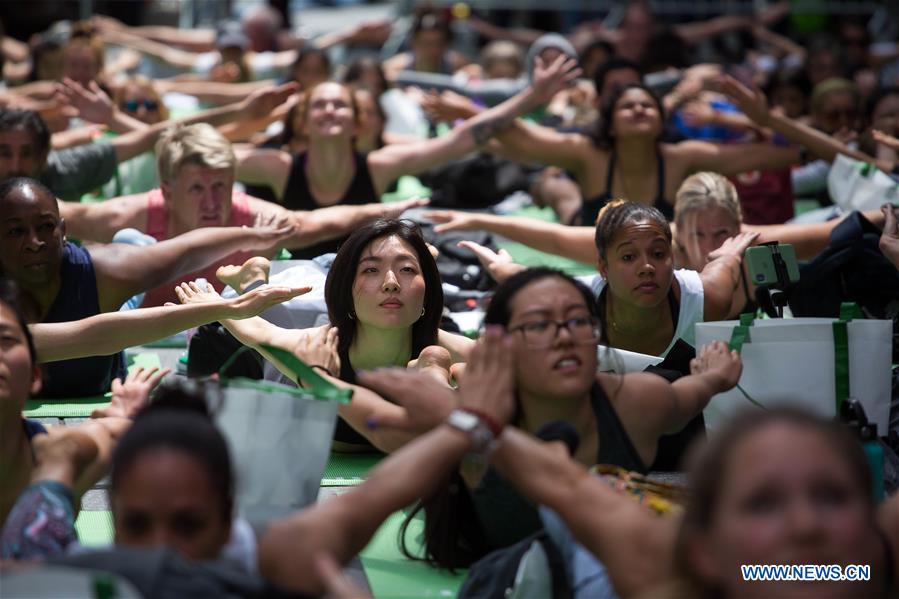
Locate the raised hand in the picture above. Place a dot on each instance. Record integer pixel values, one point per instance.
(131, 395)
(427, 401)
(550, 79)
(319, 348)
(261, 102)
(191, 293)
(396, 209)
(92, 104)
(734, 246)
(266, 239)
(261, 299)
(447, 106)
(275, 219)
(715, 359)
(488, 384)
(498, 265)
(752, 102)
(451, 220)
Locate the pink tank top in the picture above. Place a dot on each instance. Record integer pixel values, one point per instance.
(158, 228)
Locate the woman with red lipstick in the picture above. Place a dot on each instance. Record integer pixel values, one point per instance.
(385, 302)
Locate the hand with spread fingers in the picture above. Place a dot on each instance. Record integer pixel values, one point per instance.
(396, 209)
(260, 299)
(426, 400)
(734, 246)
(717, 360)
(498, 265)
(488, 383)
(452, 220)
(132, 395)
(550, 79)
(319, 348)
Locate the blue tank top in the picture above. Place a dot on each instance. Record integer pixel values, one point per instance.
(77, 299)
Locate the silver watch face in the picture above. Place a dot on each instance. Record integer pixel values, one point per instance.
(464, 420)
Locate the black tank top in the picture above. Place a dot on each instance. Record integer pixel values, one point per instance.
(590, 208)
(507, 517)
(298, 196)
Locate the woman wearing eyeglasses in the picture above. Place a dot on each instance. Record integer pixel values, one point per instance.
(553, 324)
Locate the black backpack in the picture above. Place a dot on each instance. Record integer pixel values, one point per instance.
(494, 574)
(851, 269)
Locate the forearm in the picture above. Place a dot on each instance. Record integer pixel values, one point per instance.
(323, 224)
(111, 332)
(691, 395)
(211, 92)
(413, 472)
(635, 547)
(818, 143)
(137, 142)
(123, 123)
(194, 250)
(488, 123)
(572, 242)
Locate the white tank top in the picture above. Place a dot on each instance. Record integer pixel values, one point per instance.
(691, 303)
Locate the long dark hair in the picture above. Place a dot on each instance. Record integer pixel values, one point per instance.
(603, 136)
(339, 284)
(453, 536)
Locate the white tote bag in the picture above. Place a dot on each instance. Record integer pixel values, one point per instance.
(856, 185)
(279, 438)
(811, 363)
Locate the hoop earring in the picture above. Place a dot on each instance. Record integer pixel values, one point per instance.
(352, 315)
(422, 312)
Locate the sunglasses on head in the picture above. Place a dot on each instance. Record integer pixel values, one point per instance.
(133, 105)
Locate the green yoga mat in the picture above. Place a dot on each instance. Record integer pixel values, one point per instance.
(528, 256)
(81, 407)
(390, 574)
(347, 470)
(95, 528)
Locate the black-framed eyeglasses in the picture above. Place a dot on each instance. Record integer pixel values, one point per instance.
(133, 105)
(541, 334)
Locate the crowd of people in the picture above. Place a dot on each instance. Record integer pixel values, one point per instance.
(150, 178)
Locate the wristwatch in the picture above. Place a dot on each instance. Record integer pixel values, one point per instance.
(477, 430)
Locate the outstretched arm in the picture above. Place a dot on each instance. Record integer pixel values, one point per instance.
(572, 242)
(343, 525)
(753, 103)
(636, 547)
(721, 276)
(332, 222)
(258, 104)
(110, 332)
(124, 270)
(315, 347)
(388, 163)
